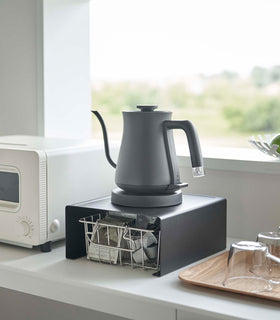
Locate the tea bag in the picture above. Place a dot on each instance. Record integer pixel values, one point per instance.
(107, 238)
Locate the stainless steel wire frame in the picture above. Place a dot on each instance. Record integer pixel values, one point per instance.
(91, 227)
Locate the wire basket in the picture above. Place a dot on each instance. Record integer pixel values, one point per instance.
(121, 244)
(263, 144)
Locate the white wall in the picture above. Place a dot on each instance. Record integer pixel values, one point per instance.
(67, 100)
(18, 67)
(253, 201)
(44, 68)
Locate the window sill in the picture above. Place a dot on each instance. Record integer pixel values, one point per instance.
(232, 159)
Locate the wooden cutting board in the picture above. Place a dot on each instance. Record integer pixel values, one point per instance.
(211, 274)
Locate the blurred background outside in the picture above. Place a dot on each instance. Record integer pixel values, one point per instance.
(214, 62)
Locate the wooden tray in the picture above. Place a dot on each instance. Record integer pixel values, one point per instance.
(211, 274)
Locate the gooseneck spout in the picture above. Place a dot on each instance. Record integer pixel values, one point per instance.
(105, 138)
(194, 146)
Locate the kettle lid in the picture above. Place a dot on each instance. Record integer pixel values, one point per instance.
(147, 108)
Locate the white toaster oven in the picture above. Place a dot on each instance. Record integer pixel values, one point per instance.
(38, 177)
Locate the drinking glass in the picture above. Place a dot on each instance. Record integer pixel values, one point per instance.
(272, 241)
(245, 257)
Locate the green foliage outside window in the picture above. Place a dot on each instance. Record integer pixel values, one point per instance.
(222, 105)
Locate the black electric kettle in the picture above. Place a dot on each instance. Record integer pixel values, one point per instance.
(147, 172)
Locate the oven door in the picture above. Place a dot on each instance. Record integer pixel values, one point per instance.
(23, 212)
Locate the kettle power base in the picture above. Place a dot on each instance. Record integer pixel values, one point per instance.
(122, 198)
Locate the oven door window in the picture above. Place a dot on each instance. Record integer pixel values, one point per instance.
(9, 190)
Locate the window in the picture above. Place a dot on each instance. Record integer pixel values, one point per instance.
(214, 62)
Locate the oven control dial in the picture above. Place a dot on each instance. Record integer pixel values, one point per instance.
(25, 227)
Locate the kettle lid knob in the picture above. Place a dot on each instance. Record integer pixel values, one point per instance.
(147, 108)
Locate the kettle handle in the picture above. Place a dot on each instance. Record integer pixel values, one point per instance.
(194, 146)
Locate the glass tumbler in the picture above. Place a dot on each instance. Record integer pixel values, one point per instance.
(244, 258)
(272, 241)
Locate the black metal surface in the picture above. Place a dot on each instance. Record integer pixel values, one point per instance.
(190, 231)
(74, 231)
(193, 235)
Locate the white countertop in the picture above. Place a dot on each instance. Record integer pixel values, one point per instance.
(121, 291)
